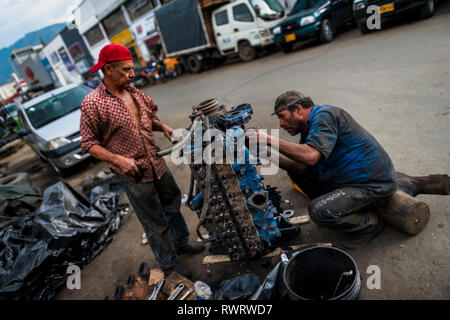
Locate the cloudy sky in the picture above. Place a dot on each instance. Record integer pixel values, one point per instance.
(18, 17)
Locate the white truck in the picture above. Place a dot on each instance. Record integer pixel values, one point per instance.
(204, 32)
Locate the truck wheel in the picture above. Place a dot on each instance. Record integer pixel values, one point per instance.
(427, 11)
(60, 172)
(362, 25)
(195, 64)
(287, 47)
(326, 31)
(15, 179)
(246, 51)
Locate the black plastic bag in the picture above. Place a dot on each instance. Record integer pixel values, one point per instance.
(273, 287)
(36, 250)
(239, 288)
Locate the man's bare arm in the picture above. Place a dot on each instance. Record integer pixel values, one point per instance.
(291, 165)
(127, 165)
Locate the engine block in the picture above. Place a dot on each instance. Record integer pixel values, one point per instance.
(231, 200)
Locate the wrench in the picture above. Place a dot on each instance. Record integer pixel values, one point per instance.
(177, 291)
(187, 294)
(157, 289)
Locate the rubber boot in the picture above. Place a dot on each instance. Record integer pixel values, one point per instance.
(405, 212)
(431, 184)
(140, 287)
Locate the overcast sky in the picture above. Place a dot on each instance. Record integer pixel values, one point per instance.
(18, 17)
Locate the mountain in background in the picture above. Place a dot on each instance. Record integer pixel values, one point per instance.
(30, 39)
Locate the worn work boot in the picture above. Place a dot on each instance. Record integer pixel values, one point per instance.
(181, 270)
(431, 184)
(358, 239)
(190, 248)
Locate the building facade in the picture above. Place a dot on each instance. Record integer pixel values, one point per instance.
(127, 22)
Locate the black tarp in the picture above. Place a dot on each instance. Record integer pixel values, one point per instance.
(180, 26)
(17, 201)
(36, 250)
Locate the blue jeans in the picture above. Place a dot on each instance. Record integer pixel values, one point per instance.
(157, 206)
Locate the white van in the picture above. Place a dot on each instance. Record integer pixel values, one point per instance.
(243, 26)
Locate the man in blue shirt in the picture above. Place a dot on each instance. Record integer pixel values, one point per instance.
(341, 167)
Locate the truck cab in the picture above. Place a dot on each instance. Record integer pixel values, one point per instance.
(243, 26)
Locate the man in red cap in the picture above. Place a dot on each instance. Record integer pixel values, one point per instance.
(117, 124)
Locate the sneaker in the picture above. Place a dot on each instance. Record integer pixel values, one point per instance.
(181, 270)
(190, 248)
(358, 239)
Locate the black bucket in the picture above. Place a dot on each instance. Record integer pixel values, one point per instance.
(322, 273)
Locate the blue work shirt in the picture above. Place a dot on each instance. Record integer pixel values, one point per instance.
(351, 157)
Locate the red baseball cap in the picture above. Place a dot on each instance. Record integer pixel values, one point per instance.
(109, 53)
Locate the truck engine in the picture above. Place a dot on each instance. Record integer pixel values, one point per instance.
(238, 211)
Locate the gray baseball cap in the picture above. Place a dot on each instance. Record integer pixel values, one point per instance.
(287, 99)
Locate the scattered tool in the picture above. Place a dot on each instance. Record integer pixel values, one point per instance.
(156, 290)
(177, 291)
(187, 294)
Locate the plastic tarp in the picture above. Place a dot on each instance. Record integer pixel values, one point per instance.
(180, 26)
(36, 250)
(239, 288)
(17, 201)
(273, 287)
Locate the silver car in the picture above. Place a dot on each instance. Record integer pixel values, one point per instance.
(51, 126)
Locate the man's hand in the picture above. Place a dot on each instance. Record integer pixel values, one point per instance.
(167, 132)
(127, 165)
(258, 136)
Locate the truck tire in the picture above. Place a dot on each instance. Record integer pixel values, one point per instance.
(326, 31)
(427, 11)
(362, 25)
(15, 179)
(246, 51)
(195, 65)
(287, 47)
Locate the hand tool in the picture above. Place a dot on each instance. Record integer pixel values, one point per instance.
(177, 291)
(156, 290)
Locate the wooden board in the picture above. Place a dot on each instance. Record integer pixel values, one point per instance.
(300, 220)
(276, 252)
(170, 284)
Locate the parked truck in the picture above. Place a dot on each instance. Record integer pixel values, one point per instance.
(204, 32)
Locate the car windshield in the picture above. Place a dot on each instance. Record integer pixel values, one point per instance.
(56, 106)
(267, 9)
(12, 109)
(304, 5)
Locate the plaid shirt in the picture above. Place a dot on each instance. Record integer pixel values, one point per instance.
(107, 121)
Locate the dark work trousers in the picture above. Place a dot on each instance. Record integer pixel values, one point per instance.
(157, 206)
(347, 209)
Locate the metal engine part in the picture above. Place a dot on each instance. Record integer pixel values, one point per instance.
(233, 204)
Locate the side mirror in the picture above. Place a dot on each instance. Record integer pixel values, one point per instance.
(22, 132)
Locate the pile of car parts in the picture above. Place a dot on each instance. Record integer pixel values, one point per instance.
(233, 204)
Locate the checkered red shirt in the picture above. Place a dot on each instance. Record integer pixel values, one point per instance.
(107, 121)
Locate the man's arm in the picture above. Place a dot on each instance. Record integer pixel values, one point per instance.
(299, 153)
(157, 125)
(127, 165)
